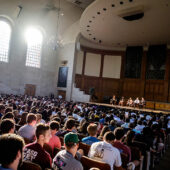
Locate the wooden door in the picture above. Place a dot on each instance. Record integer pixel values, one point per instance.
(62, 93)
(30, 89)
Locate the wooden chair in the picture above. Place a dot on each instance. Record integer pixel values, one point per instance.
(27, 141)
(81, 136)
(85, 148)
(91, 163)
(26, 165)
(48, 149)
(125, 160)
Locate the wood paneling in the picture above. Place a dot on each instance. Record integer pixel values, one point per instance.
(132, 88)
(150, 105)
(78, 80)
(154, 90)
(110, 86)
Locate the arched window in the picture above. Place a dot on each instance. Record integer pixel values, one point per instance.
(34, 44)
(5, 34)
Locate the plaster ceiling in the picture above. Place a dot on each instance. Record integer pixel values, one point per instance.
(81, 3)
(101, 22)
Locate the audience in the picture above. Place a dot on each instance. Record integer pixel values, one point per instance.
(131, 129)
(28, 131)
(65, 159)
(92, 131)
(11, 148)
(34, 152)
(2, 110)
(7, 126)
(119, 135)
(54, 141)
(105, 152)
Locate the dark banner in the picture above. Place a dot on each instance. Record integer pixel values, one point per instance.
(62, 77)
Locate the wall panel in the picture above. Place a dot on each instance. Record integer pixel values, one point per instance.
(132, 88)
(112, 66)
(79, 62)
(92, 65)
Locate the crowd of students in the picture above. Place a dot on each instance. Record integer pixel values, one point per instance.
(29, 125)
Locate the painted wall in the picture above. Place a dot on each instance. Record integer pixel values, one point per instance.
(79, 62)
(14, 74)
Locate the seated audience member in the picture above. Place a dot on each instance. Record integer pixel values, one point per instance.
(103, 131)
(112, 125)
(8, 115)
(28, 131)
(34, 152)
(8, 109)
(54, 141)
(105, 152)
(11, 148)
(70, 126)
(83, 128)
(126, 124)
(139, 126)
(2, 110)
(65, 159)
(7, 126)
(39, 118)
(23, 119)
(92, 131)
(119, 134)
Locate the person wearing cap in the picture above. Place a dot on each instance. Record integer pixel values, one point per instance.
(65, 159)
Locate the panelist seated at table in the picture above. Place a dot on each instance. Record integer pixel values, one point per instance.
(113, 100)
(142, 102)
(136, 102)
(122, 101)
(130, 102)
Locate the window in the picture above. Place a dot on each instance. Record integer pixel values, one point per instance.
(5, 34)
(34, 44)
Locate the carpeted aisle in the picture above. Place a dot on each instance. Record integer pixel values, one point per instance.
(164, 163)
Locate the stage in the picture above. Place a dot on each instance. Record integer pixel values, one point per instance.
(150, 107)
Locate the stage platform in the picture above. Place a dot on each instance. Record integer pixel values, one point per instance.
(154, 107)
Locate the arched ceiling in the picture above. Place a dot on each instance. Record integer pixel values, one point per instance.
(102, 22)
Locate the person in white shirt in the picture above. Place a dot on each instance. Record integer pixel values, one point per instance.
(105, 152)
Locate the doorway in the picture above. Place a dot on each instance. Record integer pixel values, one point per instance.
(30, 89)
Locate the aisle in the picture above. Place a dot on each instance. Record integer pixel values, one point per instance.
(164, 163)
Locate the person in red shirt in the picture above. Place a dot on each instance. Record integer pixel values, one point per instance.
(34, 152)
(119, 134)
(54, 140)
